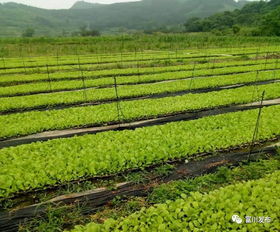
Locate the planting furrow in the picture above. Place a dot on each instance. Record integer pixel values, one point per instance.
(27, 123)
(116, 65)
(37, 165)
(56, 86)
(100, 96)
(96, 198)
(200, 69)
(183, 116)
(255, 197)
(119, 57)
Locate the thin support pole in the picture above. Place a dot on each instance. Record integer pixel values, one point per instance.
(49, 78)
(119, 110)
(266, 60)
(23, 62)
(192, 78)
(256, 130)
(276, 67)
(83, 78)
(256, 87)
(4, 63)
(57, 57)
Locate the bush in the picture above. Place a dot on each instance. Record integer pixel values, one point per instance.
(29, 32)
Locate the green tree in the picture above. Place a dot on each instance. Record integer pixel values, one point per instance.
(28, 32)
(271, 23)
(236, 29)
(88, 32)
(193, 25)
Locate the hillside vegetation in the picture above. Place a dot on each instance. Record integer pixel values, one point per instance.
(148, 15)
(256, 18)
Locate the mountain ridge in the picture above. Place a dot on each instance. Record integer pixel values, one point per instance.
(139, 15)
(85, 5)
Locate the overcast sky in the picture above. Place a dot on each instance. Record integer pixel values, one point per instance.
(59, 4)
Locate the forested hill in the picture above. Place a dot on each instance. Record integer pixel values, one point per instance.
(256, 18)
(142, 15)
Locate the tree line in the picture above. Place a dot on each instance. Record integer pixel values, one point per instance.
(257, 18)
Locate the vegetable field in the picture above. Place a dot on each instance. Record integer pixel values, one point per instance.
(177, 139)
